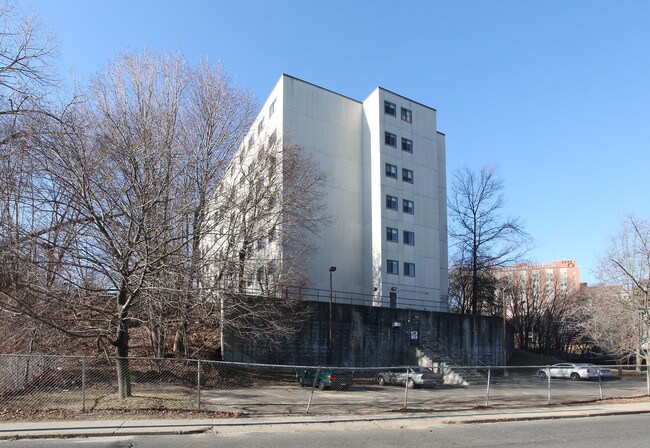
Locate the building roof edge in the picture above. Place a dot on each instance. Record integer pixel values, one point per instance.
(408, 99)
(320, 87)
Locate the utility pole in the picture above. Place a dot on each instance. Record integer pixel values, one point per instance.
(329, 325)
(505, 333)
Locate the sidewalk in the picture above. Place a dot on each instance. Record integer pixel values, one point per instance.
(31, 430)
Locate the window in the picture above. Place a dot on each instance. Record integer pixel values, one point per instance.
(389, 108)
(407, 145)
(407, 115)
(408, 206)
(391, 234)
(271, 109)
(392, 267)
(407, 175)
(390, 139)
(272, 138)
(272, 233)
(260, 126)
(392, 295)
(261, 243)
(391, 202)
(391, 171)
(409, 238)
(409, 269)
(261, 154)
(271, 268)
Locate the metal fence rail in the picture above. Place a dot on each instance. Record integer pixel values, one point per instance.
(83, 384)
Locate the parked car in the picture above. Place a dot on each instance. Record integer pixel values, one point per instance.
(416, 376)
(574, 371)
(326, 379)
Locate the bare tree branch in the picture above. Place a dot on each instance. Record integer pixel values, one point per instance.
(483, 239)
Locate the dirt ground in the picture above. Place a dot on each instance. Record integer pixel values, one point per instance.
(12, 415)
(123, 412)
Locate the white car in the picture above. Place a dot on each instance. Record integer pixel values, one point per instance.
(416, 376)
(574, 371)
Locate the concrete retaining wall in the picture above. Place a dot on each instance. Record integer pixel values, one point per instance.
(372, 337)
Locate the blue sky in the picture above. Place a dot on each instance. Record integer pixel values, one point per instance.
(555, 92)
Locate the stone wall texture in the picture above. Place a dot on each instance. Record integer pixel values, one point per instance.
(365, 336)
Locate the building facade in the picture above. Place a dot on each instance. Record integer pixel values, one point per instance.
(384, 195)
(560, 277)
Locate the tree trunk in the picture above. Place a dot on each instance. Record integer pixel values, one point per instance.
(157, 338)
(179, 341)
(122, 362)
(122, 348)
(647, 372)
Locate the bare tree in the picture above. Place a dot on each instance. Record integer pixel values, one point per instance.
(106, 203)
(609, 322)
(25, 55)
(125, 174)
(115, 157)
(216, 116)
(540, 307)
(120, 199)
(556, 326)
(616, 316)
(461, 281)
(25, 79)
(523, 293)
(482, 237)
(25, 50)
(273, 194)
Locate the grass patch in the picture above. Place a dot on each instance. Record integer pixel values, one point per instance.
(523, 358)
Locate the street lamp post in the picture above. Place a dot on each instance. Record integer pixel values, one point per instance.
(505, 334)
(329, 324)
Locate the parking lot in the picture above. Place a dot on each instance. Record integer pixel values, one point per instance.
(75, 384)
(366, 397)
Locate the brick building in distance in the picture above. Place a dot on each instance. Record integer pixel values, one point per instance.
(561, 276)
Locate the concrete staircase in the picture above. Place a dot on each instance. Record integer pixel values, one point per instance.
(431, 354)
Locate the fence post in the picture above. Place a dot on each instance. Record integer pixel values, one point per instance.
(548, 380)
(17, 376)
(406, 389)
(83, 384)
(600, 384)
(487, 392)
(198, 385)
(313, 386)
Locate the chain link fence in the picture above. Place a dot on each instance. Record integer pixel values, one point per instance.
(84, 384)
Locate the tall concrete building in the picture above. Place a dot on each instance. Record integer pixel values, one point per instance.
(385, 192)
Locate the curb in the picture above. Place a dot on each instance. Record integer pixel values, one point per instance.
(542, 417)
(201, 429)
(30, 434)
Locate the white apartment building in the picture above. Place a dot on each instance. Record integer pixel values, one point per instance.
(385, 193)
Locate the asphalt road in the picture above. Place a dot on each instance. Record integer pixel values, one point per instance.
(628, 431)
